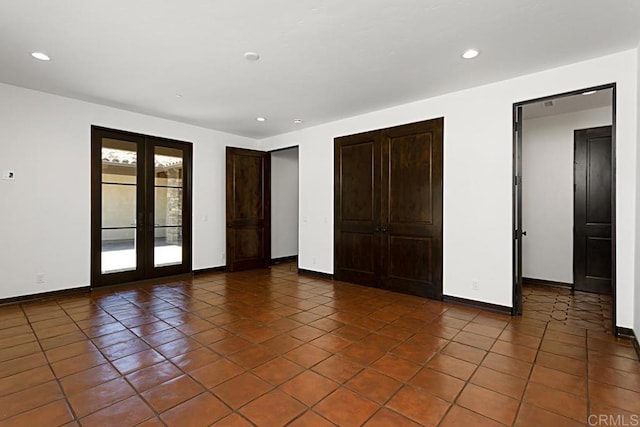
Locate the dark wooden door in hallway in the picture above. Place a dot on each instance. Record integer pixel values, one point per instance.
(592, 210)
(248, 200)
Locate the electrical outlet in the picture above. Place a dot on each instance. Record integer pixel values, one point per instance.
(475, 284)
(313, 261)
(40, 278)
(223, 256)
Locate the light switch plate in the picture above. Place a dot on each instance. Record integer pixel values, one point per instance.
(8, 175)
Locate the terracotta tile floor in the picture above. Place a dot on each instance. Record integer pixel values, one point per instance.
(561, 306)
(273, 348)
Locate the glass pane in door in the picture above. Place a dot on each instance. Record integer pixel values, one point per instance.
(168, 200)
(118, 250)
(119, 189)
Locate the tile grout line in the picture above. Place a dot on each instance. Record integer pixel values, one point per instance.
(177, 296)
(108, 361)
(56, 379)
(124, 376)
(468, 381)
(533, 365)
(166, 359)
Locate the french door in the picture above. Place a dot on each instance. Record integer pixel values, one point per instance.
(140, 207)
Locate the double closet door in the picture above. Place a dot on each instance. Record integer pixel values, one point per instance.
(140, 207)
(388, 208)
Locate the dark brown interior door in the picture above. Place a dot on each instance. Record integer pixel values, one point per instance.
(412, 208)
(357, 208)
(248, 202)
(388, 208)
(592, 210)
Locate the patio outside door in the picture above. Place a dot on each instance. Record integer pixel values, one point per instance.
(141, 207)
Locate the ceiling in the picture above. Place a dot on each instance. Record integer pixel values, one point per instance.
(320, 60)
(568, 104)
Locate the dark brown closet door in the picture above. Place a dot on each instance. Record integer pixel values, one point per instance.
(388, 208)
(248, 209)
(592, 210)
(412, 208)
(357, 208)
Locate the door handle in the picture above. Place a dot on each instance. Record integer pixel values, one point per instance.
(384, 229)
(378, 229)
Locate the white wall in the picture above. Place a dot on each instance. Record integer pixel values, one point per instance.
(478, 178)
(45, 139)
(547, 192)
(284, 203)
(45, 213)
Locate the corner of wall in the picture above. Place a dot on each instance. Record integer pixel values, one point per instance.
(636, 287)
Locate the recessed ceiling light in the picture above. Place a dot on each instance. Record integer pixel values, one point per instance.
(41, 56)
(178, 96)
(297, 121)
(261, 119)
(589, 92)
(470, 53)
(251, 56)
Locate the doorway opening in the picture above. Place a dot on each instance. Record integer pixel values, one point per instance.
(261, 207)
(284, 205)
(564, 195)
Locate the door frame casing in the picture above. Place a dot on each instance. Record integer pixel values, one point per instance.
(516, 181)
(145, 270)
